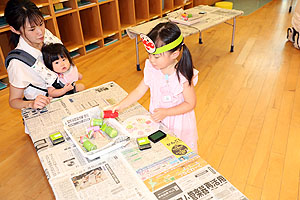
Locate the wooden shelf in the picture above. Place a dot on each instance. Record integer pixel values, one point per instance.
(85, 26)
(90, 24)
(109, 18)
(70, 31)
(127, 14)
(141, 10)
(155, 8)
(3, 72)
(50, 25)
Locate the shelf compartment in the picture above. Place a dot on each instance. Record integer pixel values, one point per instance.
(45, 11)
(93, 46)
(4, 43)
(82, 4)
(123, 33)
(3, 22)
(141, 10)
(127, 14)
(2, 7)
(76, 53)
(155, 8)
(61, 6)
(111, 39)
(188, 5)
(104, 1)
(90, 24)
(109, 18)
(49, 24)
(178, 3)
(168, 6)
(70, 31)
(3, 72)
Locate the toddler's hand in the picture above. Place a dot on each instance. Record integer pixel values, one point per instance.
(68, 87)
(40, 102)
(159, 114)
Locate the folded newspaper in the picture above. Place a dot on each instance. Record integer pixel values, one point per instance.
(186, 17)
(94, 136)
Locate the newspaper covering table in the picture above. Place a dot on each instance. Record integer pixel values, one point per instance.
(212, 17)
(169, 170)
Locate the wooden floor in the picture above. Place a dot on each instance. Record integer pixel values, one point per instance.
(248, 108)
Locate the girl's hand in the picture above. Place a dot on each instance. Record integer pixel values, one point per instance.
(40, 102)
(68, 87)
(116, 108)
(159, 114)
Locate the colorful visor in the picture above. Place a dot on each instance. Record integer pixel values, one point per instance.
(150, 46)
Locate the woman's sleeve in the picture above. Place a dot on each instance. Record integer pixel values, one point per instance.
(17, 74)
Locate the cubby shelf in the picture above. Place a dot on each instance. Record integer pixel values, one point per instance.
(86, 26)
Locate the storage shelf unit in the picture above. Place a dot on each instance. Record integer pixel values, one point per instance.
(85, 26)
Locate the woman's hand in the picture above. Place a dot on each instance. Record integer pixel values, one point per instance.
(159, 114)
(40, 102)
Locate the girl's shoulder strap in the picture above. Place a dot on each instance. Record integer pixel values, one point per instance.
(20, 55)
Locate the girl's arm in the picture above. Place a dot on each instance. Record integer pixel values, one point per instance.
(16, 99)
(186, 106)
(133, 97)
(59, 92)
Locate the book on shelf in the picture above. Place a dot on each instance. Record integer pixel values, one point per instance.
(109, 41)
(91, 47)
(74, 54)
(3, 22)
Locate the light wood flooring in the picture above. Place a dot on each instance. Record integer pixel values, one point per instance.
(248, 108)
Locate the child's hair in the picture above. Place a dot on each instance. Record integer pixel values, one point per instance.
(165, 33)
(52, 52)
(17, 11)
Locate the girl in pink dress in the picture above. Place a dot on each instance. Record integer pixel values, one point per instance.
(171, 82)
(57, 58)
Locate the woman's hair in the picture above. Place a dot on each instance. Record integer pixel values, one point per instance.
(52, 52)
(165, 33)
(17, 11)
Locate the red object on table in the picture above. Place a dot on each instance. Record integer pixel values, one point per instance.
(110, 114)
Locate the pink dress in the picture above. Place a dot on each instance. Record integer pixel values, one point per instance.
(166, 92)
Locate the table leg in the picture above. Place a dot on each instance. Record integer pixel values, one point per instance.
(233, 31)
(138, 68)
(200, 38)
(291, 4)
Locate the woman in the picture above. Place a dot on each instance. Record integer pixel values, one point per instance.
(29, 34)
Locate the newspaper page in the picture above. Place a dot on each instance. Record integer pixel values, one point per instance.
(176, 172)
(108, 178)
(169, 170)
(202, 184)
